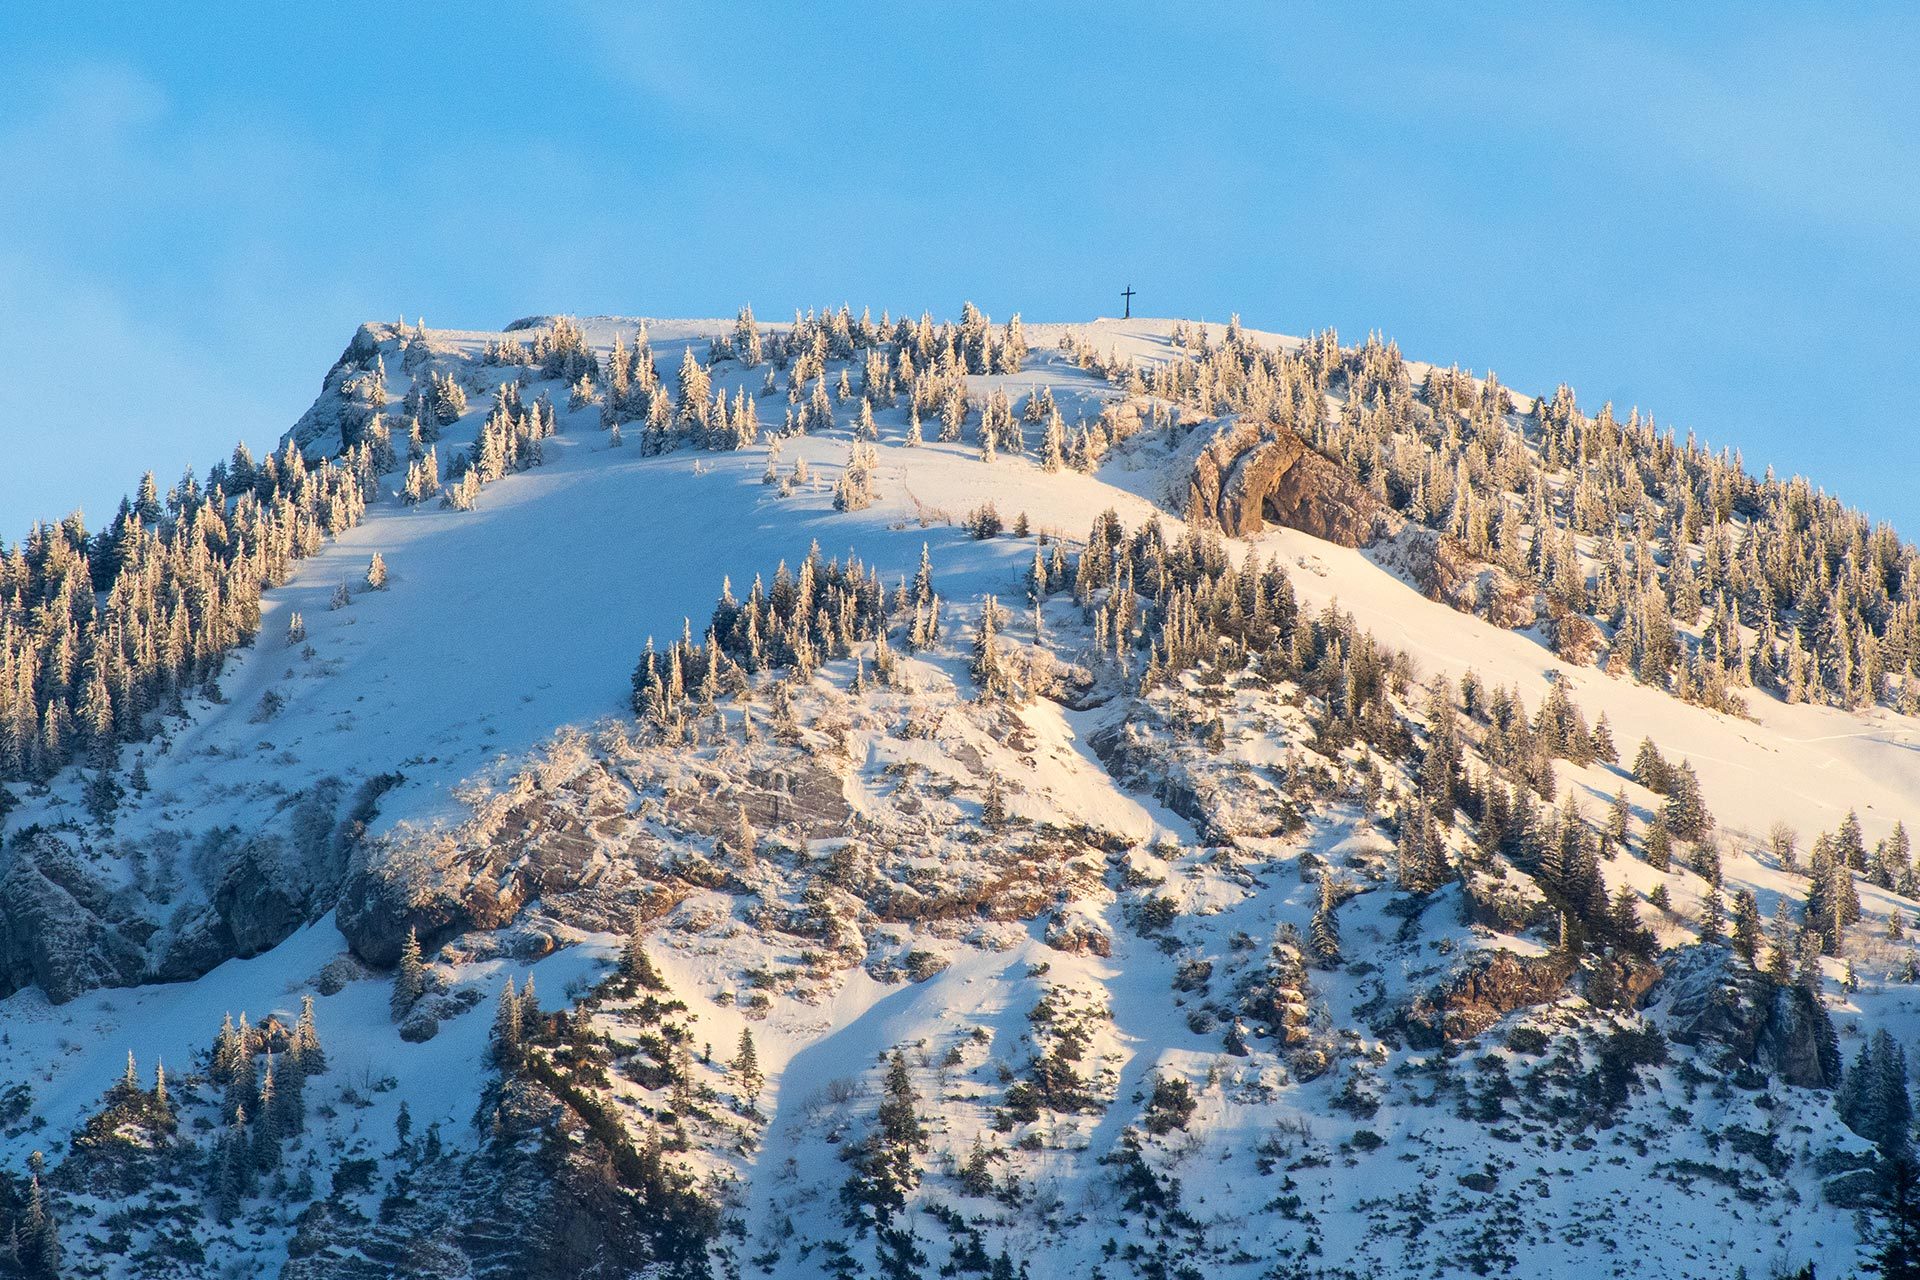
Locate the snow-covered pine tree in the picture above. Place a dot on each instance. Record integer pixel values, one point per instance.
(506, 1026)
(1053, 444)
(993, 808)
(305, 1048)
(1748, 929)
(409, 977)
(1323, 931)
(531, 1017)
(1658, 845)
(38, 1248)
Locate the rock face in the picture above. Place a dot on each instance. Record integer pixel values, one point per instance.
(548, 1198)
(333, 419)
(65, 930)
(559, 837)
(1713, 999)
(59, 927)
(1252, 475)
(437, 892)
(1224, 804)
(1480, 993)
(1445, 571)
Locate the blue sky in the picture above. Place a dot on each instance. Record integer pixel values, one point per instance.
(1706, 210)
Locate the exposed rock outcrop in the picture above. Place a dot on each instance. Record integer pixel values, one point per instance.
(1445, 571)
(1252, 475)
(67, 930)
(560, 835)
(558, 1190)
(59, 927)
(1713, 999)
(1480, 993)
(335, 419)
(1576, 638)
(1222, 802)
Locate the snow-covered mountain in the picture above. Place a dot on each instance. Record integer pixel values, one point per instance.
(1065, 800)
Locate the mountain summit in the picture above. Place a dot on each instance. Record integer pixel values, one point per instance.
(888, 797)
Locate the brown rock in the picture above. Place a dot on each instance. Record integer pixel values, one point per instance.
(1510, 603)
(1576, 638)
(1252, 475)
(1479, 994)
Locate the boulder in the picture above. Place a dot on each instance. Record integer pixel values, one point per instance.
(419, 1027)
(260, 898)
(381, 902)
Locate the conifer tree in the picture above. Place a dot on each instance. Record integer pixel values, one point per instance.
(1713, 915)
(506, 1026)
(1603, 748)
(266, 1126)
(529, 1009)
(1898, 1257)
(233, 1173)
(1649, 768)
(1873, 1099)
(887, 1168)
(744, 840)
(746, 1065)
(1747, 926)
(1619, 813)
(102, 795)
(1659, 843)
(635, 963)
(305, 1047)
(409, 977)
(39, 1234)
(1685, 809)
(991, 670)
(226, 1051)
(1053, 443)
(1323, 932)
(993, 809)
(1782, 947)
